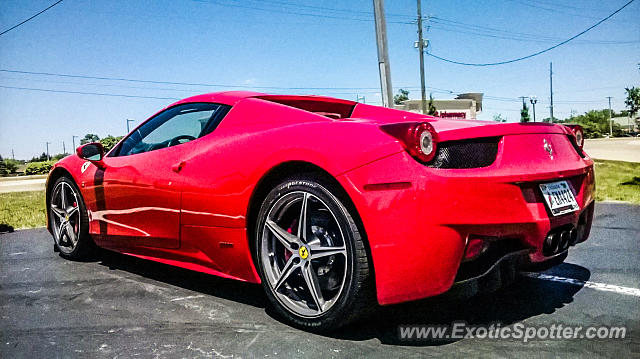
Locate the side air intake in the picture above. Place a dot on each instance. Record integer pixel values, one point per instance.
(472, 153)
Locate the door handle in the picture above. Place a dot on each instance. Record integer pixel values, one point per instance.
(177, 168)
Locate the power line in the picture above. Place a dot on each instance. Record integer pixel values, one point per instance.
(301, 6)
(558, 5)
(86, 93)
(282, 11)
(486, 97)
(333, 90)
(477, 30)
(535, 53)
(13, 27)
(549, 8)
(179, 83)
(123, 79)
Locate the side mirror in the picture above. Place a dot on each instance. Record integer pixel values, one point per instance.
(93, 152)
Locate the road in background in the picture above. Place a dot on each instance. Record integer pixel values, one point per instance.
(22, 184)
(122, 306)
(617, 149)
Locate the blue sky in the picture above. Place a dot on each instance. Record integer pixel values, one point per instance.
(317, 47)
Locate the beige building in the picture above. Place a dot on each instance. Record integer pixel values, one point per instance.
(463, 107)
(627, 124)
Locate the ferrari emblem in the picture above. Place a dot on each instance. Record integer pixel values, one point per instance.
(547, 147)
(304, 252)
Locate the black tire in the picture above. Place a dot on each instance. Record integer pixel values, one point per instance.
(85, 248)
(356, 296)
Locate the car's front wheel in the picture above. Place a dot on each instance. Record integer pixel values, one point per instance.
(311, 256)
(68, 221)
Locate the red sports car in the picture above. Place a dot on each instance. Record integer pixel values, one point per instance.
(331, 204)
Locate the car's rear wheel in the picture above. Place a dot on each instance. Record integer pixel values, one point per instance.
(69, 222)
(311, 256)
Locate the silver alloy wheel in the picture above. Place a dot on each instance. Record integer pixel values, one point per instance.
(304, 254)
(65, 217)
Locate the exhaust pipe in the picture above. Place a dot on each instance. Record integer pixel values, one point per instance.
(573, 234)
(551, 243)
(565, 237)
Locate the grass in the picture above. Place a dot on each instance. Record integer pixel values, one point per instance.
(615, 181)
(22, 209)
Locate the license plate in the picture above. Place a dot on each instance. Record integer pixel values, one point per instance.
(559, 197)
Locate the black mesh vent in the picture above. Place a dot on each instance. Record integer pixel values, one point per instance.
(473, 153)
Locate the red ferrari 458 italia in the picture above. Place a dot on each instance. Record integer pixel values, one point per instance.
(333, 206)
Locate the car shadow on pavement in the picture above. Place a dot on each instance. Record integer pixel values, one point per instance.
(525, 298)
(242, 292)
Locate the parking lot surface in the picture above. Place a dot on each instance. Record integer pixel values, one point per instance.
(123, 307)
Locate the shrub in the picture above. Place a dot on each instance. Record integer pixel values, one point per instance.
(38, 168)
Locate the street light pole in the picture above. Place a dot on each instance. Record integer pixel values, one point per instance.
(533, 100)
(73, 140)
(48, 157)
(129, 120)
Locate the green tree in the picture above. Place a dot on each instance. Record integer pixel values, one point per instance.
(88, 138)
(42, 157)
(110, 141)
(3, 168)
(595, 124)
(11, 165)
(432, 108)
(633, 100)
(524, 113)
(59, 156)
(498, 118)
(8, 166)
(403, 95)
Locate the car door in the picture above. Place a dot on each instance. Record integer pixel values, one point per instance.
(141, 183)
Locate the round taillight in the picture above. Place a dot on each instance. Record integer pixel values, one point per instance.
(579, 137)
(418, 138)
(426, 142)
(424, 148)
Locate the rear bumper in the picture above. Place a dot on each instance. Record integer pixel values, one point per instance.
(417, 235)
(501, 273)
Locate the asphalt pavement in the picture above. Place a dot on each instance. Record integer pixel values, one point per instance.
(124, 307)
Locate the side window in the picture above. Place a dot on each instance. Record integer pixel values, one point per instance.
(175, 126)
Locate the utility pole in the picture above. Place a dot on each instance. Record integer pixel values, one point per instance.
(48, 157)
(64, 149)
(551, 90)
(421, 50)
(610, 121)
(13, 156)
(129, 120)
(383, 53)
(523, 97)
(73, 139)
